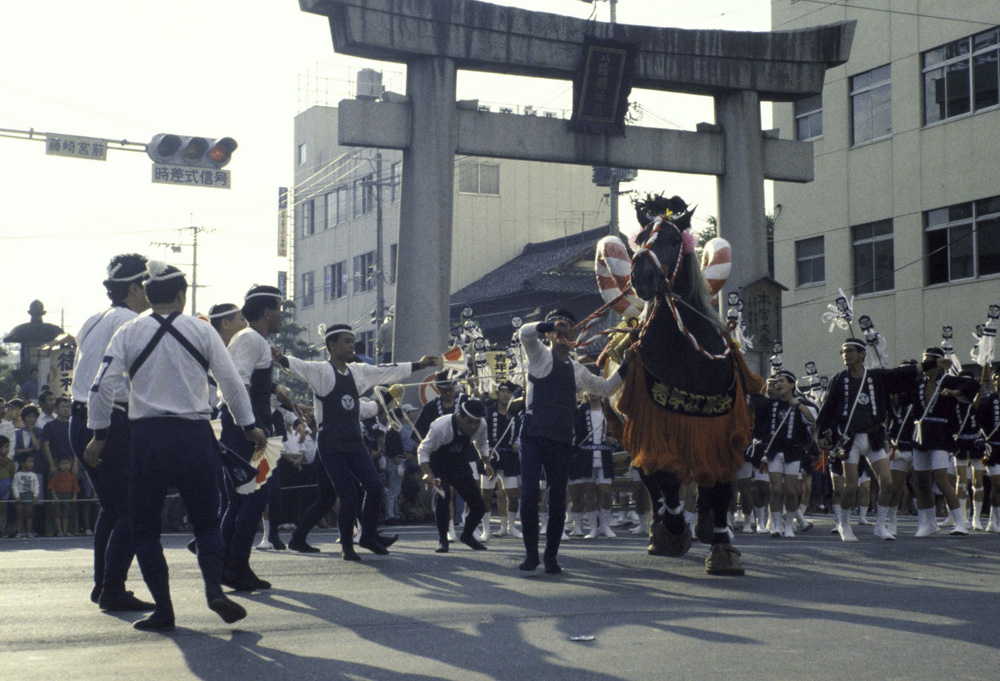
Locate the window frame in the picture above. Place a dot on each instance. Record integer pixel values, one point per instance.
(975, 221)
(968, 58)
(363, 282)
(308, 209)
(857, 92)
(479, 165)
(334, 281)
(800, 259)
(308, 289)
(809, 114)
(871, 242)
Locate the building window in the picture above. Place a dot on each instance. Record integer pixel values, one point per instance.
(303, 154)
(871, 105)
(809, 118)
(308, 292)
(364, 195)
(963, 241)
(366, 339)
(962, 76)
(334, 281)
(308, 213)
(873, 257)
(395, 178)
(479, 178)
(364, 272)
(393, 252)
(336, 207)
(810, 265)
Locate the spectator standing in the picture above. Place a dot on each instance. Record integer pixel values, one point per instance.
(64, 488)
(28, 391)
(6, 474)
(47, 405)
(25, 490)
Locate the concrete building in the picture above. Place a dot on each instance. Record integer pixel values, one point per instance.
(499, 207)
(904, 213)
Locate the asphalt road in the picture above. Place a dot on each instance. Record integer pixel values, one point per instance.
(808, 608)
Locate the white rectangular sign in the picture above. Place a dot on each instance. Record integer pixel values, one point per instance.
(76, 147)
(190, 176)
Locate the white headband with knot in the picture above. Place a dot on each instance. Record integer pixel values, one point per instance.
(113, 270)
(158, 271)
(223, 313)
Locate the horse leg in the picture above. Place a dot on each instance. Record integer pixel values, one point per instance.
(668, 533)
(713, 503)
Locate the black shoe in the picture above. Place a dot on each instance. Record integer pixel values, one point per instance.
(228, 610)
(472, 542)
(124, 601)
(156, 622)
(193, 546)
(552, 568)
(347, 552)
(244, 580)
(386, 540)
(95, 594)
(276, 543)
(529, 565)
(373, 545)
(442, 547)
(300, 545)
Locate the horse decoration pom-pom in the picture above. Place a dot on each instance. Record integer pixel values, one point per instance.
(716, 264)
(612, 266)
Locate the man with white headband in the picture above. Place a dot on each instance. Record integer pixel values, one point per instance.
(547, 431)
(338, 384)
(167, 357)
(251, 354)
(114, 547)
(444, 455)
(850, 424)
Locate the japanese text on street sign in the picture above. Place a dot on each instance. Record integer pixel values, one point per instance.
(189, 176)
(76, 147)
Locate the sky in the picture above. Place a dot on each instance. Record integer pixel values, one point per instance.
(127, 70)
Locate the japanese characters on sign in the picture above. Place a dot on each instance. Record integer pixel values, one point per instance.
(76, 147)
(191, 176)
(602, 86)
(283, 222)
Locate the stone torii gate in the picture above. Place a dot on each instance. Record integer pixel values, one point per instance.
(435, 38)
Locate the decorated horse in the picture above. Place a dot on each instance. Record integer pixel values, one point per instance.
(684, 398)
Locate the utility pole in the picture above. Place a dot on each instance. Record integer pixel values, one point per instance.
(379, 256)
(175, 247)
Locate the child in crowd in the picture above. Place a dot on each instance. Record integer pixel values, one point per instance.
(25, 491)
(6, 473)
(64, 487)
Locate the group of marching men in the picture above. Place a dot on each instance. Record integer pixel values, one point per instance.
(147, 387)
(923, 417)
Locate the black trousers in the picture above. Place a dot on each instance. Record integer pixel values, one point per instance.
(456, 474)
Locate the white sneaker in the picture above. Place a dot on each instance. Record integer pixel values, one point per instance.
(265, 545)
(789, 530)
(642, 525)
(577, 525)
(748, 527)
(451, 534)
(514, 532)
(883, 534)
(845, 531)
(592, 523)
(949, 521)
(961, 526)
(604, 526)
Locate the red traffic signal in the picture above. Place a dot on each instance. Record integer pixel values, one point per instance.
(191, 151)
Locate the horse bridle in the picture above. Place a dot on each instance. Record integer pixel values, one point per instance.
(646, 249)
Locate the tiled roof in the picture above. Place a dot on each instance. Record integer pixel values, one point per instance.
(544, 266)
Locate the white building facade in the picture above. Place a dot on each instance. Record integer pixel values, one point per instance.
(500, 205)
(904, 212)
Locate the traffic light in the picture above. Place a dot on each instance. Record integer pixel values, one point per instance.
(200, 152)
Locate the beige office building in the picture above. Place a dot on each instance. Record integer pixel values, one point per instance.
(904, 213)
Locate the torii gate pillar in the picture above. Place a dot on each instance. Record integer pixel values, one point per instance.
(423, 277)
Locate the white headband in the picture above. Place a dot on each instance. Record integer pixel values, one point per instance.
(224, 313)
(112, 271)
(264, 294)
(157, 270)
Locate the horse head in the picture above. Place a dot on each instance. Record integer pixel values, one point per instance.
(666, 247)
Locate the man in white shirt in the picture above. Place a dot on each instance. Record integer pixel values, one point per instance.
(167, 356)
(113, 544)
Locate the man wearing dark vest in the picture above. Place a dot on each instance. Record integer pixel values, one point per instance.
(547, 431)
(167, 356)
(337, 385)
(113, 544)
(251, 354)
(444, 456)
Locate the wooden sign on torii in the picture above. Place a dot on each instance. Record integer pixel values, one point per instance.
(435, 38)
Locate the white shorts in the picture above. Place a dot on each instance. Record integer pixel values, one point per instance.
(933, 460)
(778, 465)
(746, 472)
(902, 461)
(508, 481)
(762, 477)
(862, 447)
(597, 477)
